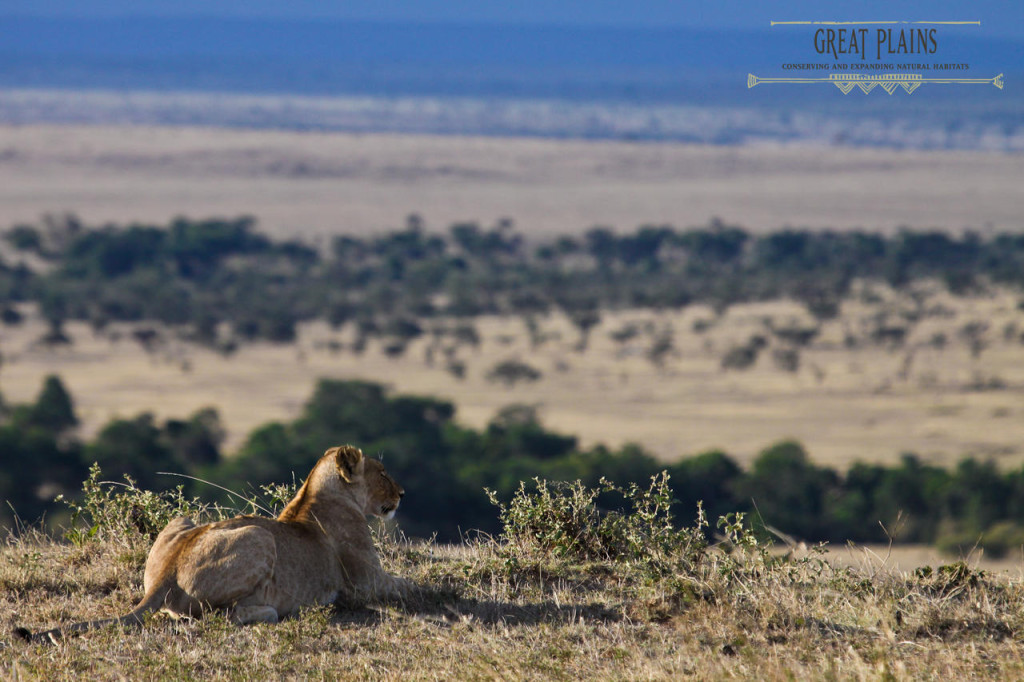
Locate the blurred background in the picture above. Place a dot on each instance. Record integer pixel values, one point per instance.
(652, 71)
(489, 242)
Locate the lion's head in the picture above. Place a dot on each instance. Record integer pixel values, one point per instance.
(383, 494)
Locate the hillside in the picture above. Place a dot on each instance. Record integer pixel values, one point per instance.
(534, 604)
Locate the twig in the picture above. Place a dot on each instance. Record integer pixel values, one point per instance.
(220, 487)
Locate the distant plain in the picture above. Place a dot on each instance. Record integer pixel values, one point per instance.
(867, 404)
(317, 184)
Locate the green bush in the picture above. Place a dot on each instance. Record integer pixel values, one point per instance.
(563, 520)
(25, 238)
(740, 357)
(510, 372)
(997, 541)
(125, 513)
(445, 467)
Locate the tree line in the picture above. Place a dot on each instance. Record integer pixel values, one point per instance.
(446, 466)
(197, 274)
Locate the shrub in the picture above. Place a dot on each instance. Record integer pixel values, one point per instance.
(456, 368)
(740, 357)
(794, 334)
(662, 348)
(786, 359)
(403, 328)
(510, 372)
(563, 520)
(625, 333)
(998, 540)
(11, 317)
(125, 513)
(466, 333)
(25, 238)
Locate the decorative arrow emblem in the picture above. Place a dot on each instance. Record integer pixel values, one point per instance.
(887, 81)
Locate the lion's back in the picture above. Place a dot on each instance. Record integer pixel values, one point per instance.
(224, 564)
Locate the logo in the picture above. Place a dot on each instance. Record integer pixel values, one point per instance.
(889, 55)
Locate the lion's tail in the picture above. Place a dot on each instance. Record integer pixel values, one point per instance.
(149, 604)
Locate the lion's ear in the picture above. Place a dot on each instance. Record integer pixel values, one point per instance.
(346, 458)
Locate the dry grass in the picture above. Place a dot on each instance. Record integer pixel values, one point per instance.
(869, 402)
(309, 184)
(481, 617)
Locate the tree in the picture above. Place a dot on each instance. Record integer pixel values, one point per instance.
(789, 492)
(272, 453)
(516, 431)
(37, 458)
(740, 357)
(134, 447)
(585, 321)
(196, 442)
(25, 238)
(710, 478)
(34, 467)
(602, 245)
(511, 372)
(54, 409)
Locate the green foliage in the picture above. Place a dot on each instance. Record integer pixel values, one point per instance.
(511, 372)
(948, 579)
(25, 238)
(274, 497)
(1001, 539)
(710, 479)
(516, 431)
(746, 551)
(740, 357)
(111, 252)
(195, 442)
(10, 316)
(54, 409)
(564, 520)
(141, 447)
(128, 514)
(39, 455)
(407, 431)
(446, 466)
(789, 492)
(203, 272)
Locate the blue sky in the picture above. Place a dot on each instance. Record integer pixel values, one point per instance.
(998, 17)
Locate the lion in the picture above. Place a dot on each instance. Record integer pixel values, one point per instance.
(258, 569)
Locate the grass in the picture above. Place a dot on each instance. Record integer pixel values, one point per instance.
(624, 597)
(865, 401)
(128, 173)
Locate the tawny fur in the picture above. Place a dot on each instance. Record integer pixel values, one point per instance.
(318, 550)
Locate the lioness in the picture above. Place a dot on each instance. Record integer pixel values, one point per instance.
(259, 569)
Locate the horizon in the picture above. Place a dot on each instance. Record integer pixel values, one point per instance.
(641, 73)
(997, 18)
